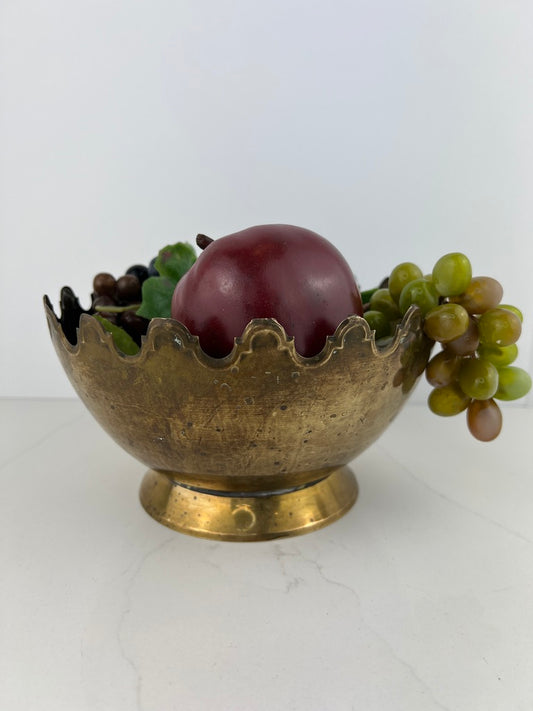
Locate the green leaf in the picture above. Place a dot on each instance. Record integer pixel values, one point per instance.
(123, 341)
(157, 297)
(174, 260)
(367, 295)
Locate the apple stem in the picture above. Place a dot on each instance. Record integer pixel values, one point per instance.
(203, 241)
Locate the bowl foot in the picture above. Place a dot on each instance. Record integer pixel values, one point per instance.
(249, 516)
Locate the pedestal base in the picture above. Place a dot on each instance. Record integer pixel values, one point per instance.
(248, 517)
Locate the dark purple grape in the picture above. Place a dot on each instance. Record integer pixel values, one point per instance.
(100, 300)
(104, 283)
(134, 325)
(152, 271)
(128, 289)
(99, 304)
(140, 271)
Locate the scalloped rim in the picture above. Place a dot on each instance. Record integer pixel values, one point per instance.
(176, 332)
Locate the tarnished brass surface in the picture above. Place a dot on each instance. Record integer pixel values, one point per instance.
(248, 518)
(261, 419)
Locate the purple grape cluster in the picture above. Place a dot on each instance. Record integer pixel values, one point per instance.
(117, 299)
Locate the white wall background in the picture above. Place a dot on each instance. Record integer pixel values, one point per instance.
(399, 129)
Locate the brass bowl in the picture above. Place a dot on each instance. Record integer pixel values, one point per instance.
(254, 445)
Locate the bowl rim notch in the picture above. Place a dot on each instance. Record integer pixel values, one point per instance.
(169, 331)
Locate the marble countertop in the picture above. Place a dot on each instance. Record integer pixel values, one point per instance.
(420, 598)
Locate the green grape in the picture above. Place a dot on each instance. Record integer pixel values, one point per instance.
(499, 327)
(516, 311)
(443, 369)
(452, 274)
(446, 322)
(484, 419)
(500, 356)
(467, 343)
(478, 336)
(478, 378)
(420, 292)
(448, 401)
(482, 294)
(513, 383)
(381, 300)
(378, 322)
(402, 275)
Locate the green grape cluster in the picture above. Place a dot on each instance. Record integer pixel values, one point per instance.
(476, 332)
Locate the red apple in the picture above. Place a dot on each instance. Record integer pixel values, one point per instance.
(270, 271)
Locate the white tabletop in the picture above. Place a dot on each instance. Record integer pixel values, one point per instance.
(420, 598)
